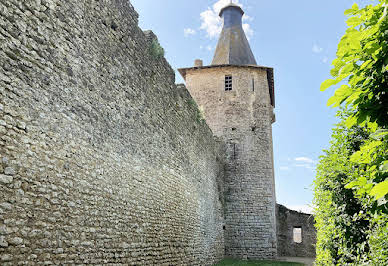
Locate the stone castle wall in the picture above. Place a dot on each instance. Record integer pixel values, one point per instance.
(287, 220)
(242, 118)
(103, 158)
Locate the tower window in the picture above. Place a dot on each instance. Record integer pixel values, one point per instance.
(253, 84)
(297, 234)
(228, 83)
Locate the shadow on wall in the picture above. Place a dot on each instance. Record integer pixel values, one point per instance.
(296, 234)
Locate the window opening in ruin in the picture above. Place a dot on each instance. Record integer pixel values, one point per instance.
(253, 128)
(297, 234)
(233, 128)
(228, 83)
(253, 84)
(234, 151)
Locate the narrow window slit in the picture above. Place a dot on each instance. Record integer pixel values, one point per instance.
(228, 83)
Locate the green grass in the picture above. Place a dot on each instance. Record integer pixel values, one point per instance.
(232, 262)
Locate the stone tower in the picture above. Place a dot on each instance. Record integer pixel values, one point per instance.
(237, 97)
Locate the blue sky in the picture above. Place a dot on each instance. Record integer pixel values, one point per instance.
(298, 39)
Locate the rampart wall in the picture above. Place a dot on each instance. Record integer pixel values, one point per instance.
(103, 158)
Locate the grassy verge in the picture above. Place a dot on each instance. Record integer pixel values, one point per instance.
(232, 262)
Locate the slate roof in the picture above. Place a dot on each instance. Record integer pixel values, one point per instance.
(233, 46)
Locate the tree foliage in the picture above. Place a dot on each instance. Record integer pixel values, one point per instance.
(351, 188)
(338, 208)
(350, 223)
(362, 60)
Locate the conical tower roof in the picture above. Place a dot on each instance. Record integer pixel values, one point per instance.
(233, 46)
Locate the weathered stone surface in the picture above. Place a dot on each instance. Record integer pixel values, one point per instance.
(287, 220)
(5, 257)
(109, 161)
(6, 179)
(9, 171)
(16, 241)
(104, 160)
(242, 118)
(4, 230)
(3, 243)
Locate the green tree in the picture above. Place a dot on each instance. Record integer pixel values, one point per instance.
(362, 61)
(351, 187)
(341, 230)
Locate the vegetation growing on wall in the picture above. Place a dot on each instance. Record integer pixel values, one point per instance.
(200, 113)
(156, 50)
(351, 187)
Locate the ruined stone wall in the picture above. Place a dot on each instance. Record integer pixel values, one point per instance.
(103, 159)
(287, 220)
(243, 119)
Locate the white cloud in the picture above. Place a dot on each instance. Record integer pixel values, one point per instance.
(247, 18)
(305, 160)
(212, 23)
(248, 30)
(325, 59)
(189, 32)
(209, 47)
(307, 166)
(317, 49)
(299, 162)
